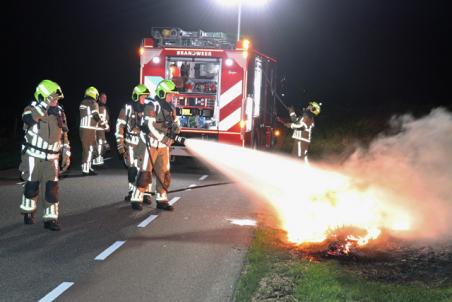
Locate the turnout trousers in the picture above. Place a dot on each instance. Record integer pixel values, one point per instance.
(300, 150)
(89, 147)
(101, 147)
(41, 176)
(150, 159)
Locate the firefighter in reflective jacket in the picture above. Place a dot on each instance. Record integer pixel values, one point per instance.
(45, 138)
(90, 121)
(101, 140)
(160, 130)
(302, 129)
(128, 128)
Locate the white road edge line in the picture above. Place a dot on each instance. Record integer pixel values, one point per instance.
(174, 200)
(147, 221)
(109, 250)
(56, 292)
(203, 177)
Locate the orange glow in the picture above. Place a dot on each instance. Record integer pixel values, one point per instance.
(141, 51)
(277, 133)
(246, 44)
(242, 124)
(309, 202)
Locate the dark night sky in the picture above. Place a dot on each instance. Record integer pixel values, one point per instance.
(354, 55)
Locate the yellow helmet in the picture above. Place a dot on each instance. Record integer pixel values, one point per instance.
(165, 87)
(139, 90)
(92, 92)
(314, 107)
(47, 88)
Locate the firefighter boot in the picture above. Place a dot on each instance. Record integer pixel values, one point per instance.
(128, 196)
(137, 206)
(147, 198)
(164, 205)
(52, 225)
(29, 218)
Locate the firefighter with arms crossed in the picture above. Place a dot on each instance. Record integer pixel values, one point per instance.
(45, 138)
(160, 130)
(128, 128)
(101, 140)
(90, 121)
(302, 126)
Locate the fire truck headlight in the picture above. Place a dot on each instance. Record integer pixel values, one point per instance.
(229, 62)
(141, 51)
(155, 60)
(242, 124)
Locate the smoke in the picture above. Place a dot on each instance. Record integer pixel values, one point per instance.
(414, 169)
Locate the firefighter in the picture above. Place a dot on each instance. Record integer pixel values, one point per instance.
(102, 143)
(161, 127)
(302, 126)
(45, 138)
(128, 128)
(90, 121)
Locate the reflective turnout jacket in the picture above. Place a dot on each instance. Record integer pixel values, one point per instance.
(302, 126)
(89, 114)
(128, 125)
(160, 118)
(45, 132)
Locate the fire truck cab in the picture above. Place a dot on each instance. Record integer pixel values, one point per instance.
(225, 89)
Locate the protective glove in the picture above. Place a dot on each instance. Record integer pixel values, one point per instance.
(288, 125)
(122, 152)
(43, 106)
(65, 163)
(103, 125)
(175, 129)
(167, 141)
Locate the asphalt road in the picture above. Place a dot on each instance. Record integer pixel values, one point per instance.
(192, 254)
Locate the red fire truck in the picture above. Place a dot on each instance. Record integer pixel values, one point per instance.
(226, 89)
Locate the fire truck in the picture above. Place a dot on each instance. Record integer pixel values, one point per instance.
(226, 90)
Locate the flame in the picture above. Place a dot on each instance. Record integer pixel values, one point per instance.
(310, 202)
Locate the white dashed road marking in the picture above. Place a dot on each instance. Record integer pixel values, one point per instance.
(174, 200)
(191, 186)
(57, 292)
(109, 250)
(147, 221)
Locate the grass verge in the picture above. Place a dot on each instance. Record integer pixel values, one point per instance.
(274, 273)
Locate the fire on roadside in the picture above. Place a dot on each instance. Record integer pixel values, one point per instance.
(310, 202)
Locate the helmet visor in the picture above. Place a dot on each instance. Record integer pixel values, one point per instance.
(58, 95)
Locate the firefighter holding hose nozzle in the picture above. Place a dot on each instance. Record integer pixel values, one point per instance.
(302, 126)
(160, 130)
